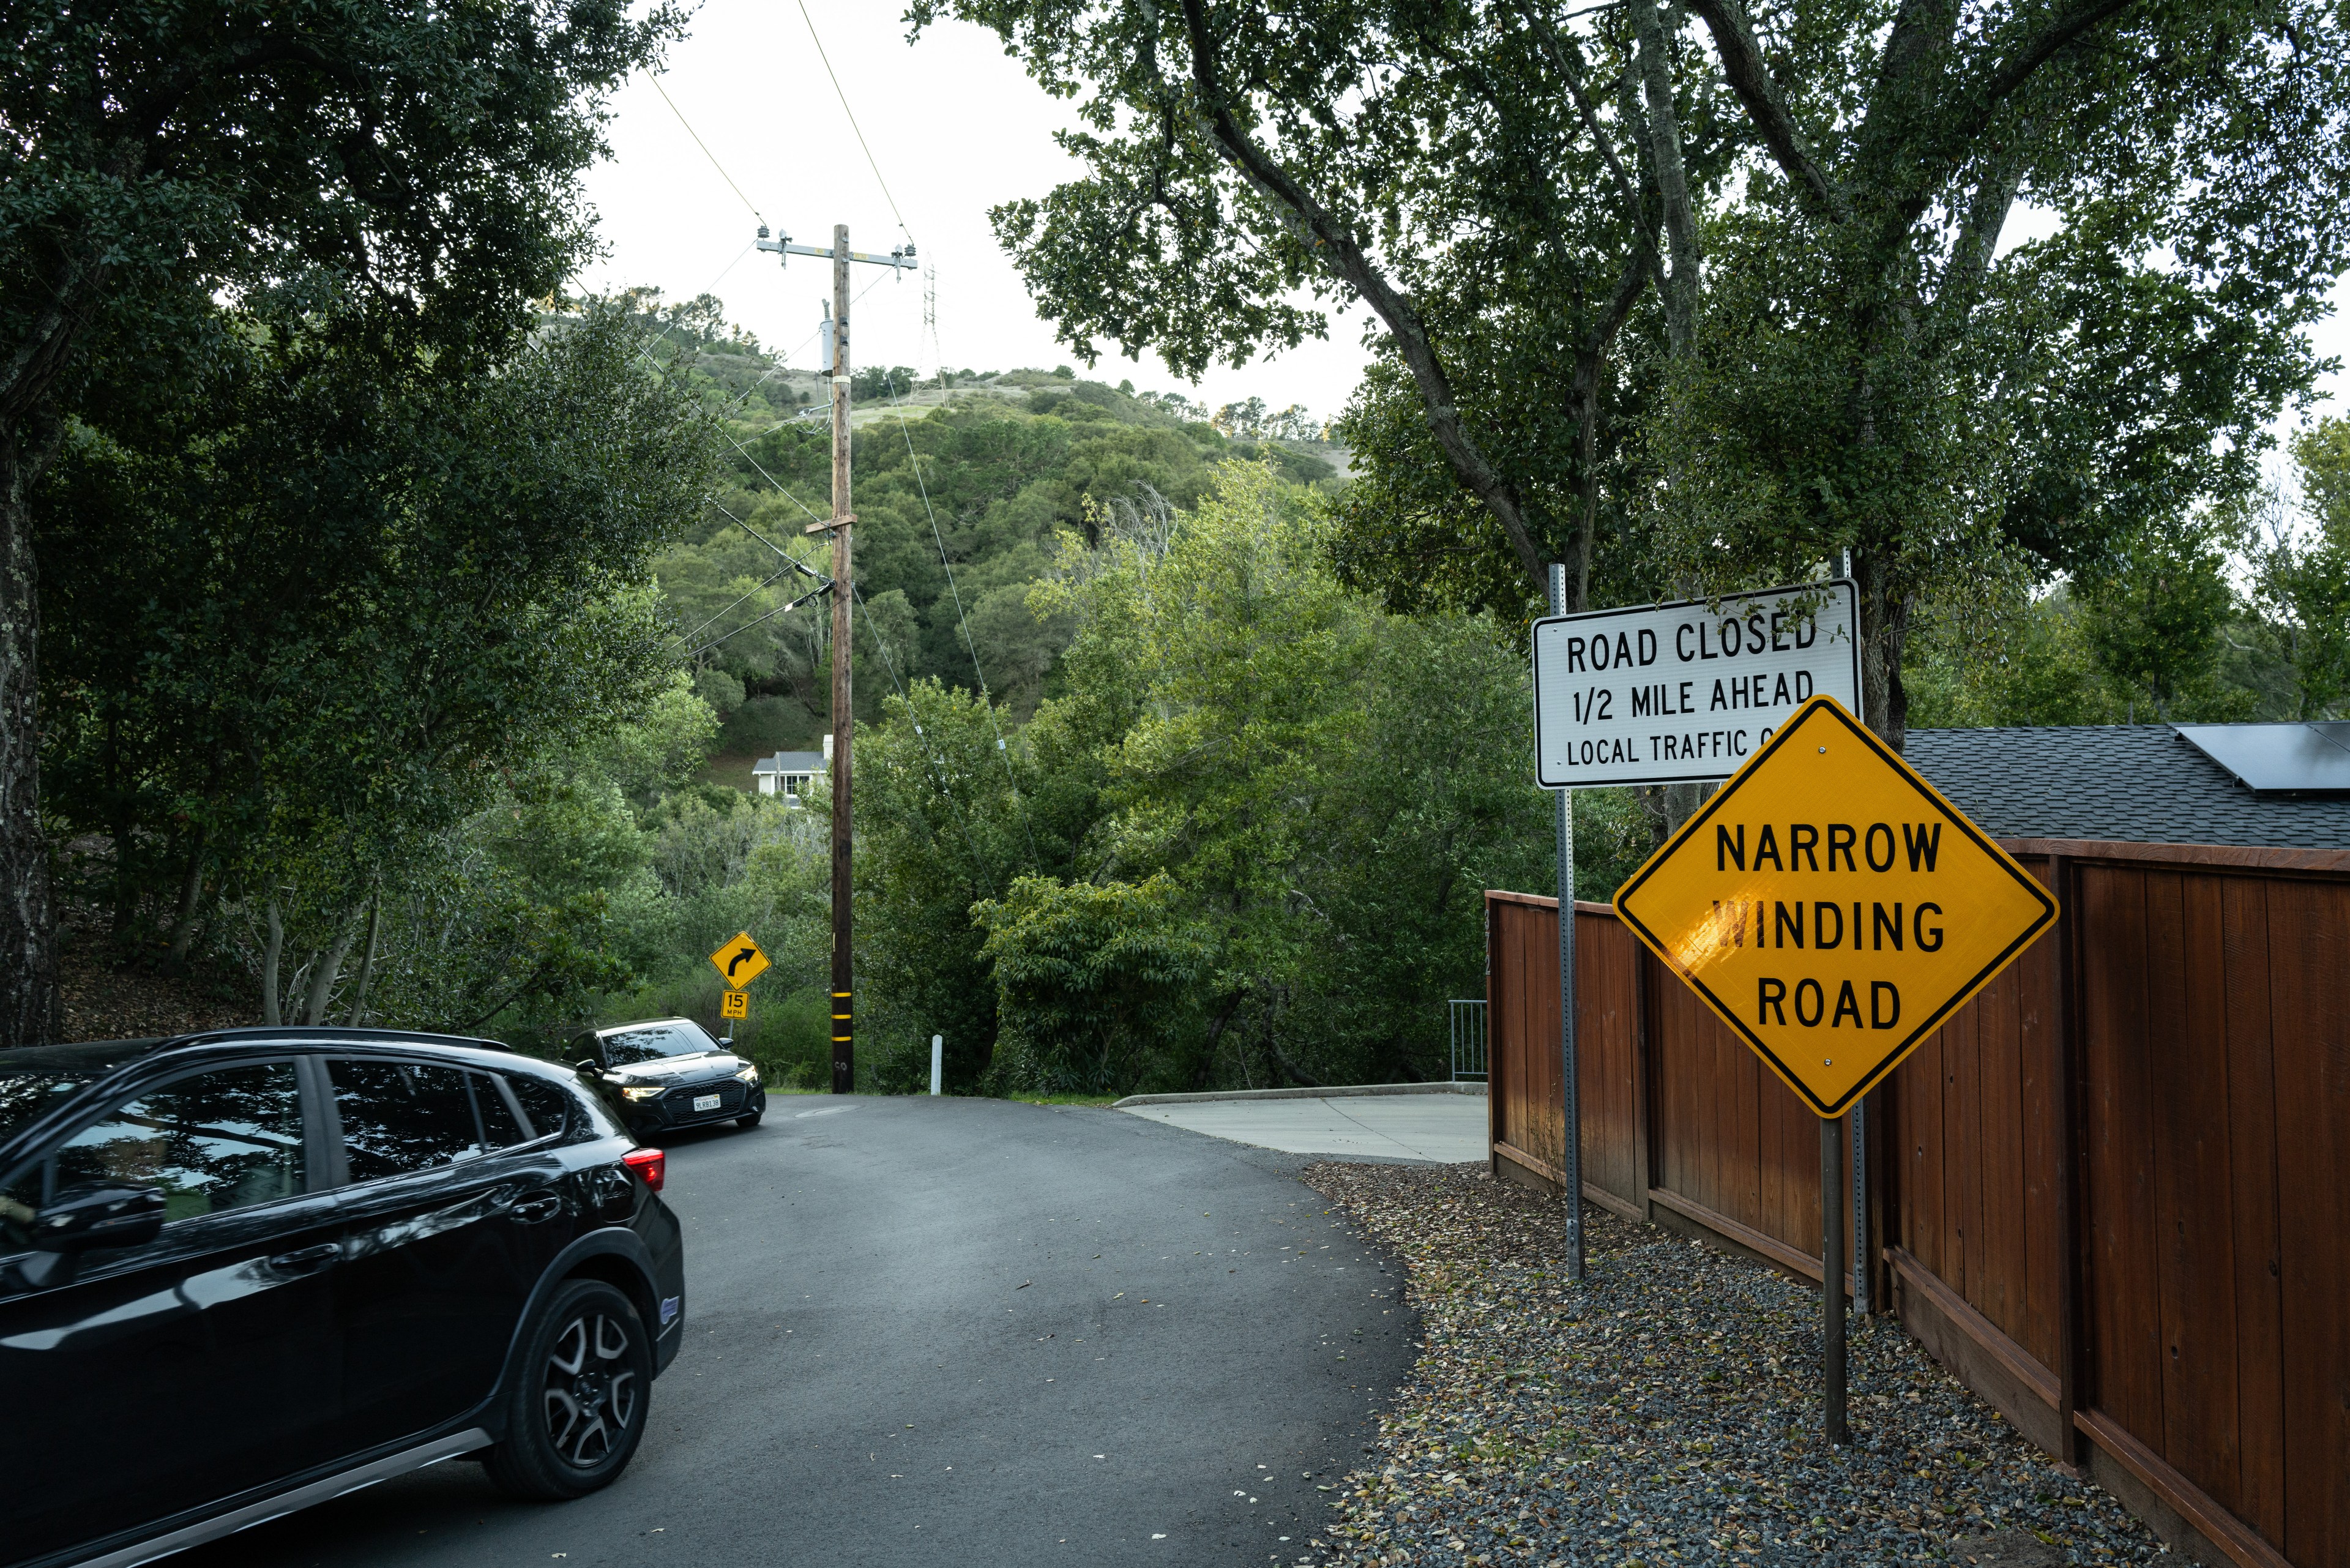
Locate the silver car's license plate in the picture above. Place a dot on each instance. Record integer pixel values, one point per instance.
(705, 1102)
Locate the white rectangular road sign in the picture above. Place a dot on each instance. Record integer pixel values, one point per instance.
(1682, 694)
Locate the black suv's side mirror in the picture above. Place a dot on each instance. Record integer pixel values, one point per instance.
(98, 1214)
(588, 1065)
(83, 1219)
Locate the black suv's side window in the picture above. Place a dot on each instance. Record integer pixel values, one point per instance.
(499, 1128)
(219, 1140)
(400, 1116)
(548, 1108)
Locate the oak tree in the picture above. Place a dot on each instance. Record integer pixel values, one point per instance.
(163, 158)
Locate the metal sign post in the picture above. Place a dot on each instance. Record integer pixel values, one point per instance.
(1857, 1117)
(1570, 1161)
(1832, 1425)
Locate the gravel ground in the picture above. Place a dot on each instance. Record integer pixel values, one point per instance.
(1668, 1412)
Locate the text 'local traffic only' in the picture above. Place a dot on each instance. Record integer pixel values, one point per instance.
(1677, 692)
(1832, 907)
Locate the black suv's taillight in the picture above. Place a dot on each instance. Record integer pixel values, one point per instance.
(649, 1163)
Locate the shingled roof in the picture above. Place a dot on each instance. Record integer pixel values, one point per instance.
(2140, 784)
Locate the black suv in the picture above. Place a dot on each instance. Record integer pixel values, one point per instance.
(667, 1073)
(246, 1272)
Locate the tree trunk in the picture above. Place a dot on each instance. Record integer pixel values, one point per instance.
(30, 1007)
(367, 962)
(125, 894)
(1290, 1069)
(1216, 1027)
(1665, 161)
(1884, 636)
(192, 891)
(122, 831)
(270, 949)
(322, 977)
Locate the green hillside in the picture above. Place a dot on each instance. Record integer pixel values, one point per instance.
(974, 478)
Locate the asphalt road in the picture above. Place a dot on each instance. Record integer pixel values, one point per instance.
(956, 1331)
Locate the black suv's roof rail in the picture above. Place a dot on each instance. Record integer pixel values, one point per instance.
(332, 1032)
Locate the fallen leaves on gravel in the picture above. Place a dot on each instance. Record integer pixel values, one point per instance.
(1665, 1412)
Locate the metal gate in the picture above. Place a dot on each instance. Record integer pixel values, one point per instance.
(1468, 1039)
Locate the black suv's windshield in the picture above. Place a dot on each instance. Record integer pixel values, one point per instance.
(26, 1093)
(651, 1042)
(34, 1078)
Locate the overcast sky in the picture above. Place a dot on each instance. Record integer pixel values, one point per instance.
(956, 128)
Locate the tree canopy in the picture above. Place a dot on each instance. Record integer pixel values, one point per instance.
(1729, 294)
(161, 160)
(301, 625)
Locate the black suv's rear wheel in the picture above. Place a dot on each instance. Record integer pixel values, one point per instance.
(577, 1408)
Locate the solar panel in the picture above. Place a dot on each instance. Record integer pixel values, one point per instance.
(2282, 759)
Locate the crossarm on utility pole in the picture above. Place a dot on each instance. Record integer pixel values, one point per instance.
(903, 258)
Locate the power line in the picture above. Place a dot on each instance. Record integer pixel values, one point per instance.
(913, 460)
(763, 539)
(754, 462)
(780, 609)
(730, 266)
(785, 368)
(923, 486)
(721, 615)
(938, 764)
(706, 146)
(852, 123)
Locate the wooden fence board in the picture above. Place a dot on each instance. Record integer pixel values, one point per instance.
(2185, 1075)
(1957, 1192)
(1919, 1092)
(2309, 1000)
(1605, 981)
(2037, 1047)
(1745, 1135)
(2003, 1279)
(2251, 1124)
(2125, 1333)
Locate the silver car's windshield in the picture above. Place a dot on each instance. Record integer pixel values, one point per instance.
(651, 1042)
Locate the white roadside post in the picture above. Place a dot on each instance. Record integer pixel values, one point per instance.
(938, 1061)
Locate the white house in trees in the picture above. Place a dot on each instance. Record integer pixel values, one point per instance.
(792, 773)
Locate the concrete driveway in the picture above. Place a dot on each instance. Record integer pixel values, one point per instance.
(955, 1331)
(1380, 1123)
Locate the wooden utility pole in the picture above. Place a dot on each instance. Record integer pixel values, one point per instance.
(843, 719)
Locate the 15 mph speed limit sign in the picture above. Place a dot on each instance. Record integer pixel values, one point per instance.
(1684, 692)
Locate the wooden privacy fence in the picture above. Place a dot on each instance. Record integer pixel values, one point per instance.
(2112, 1194)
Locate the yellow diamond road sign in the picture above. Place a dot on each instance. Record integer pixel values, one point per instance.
(1832, 907)
(740, 961)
